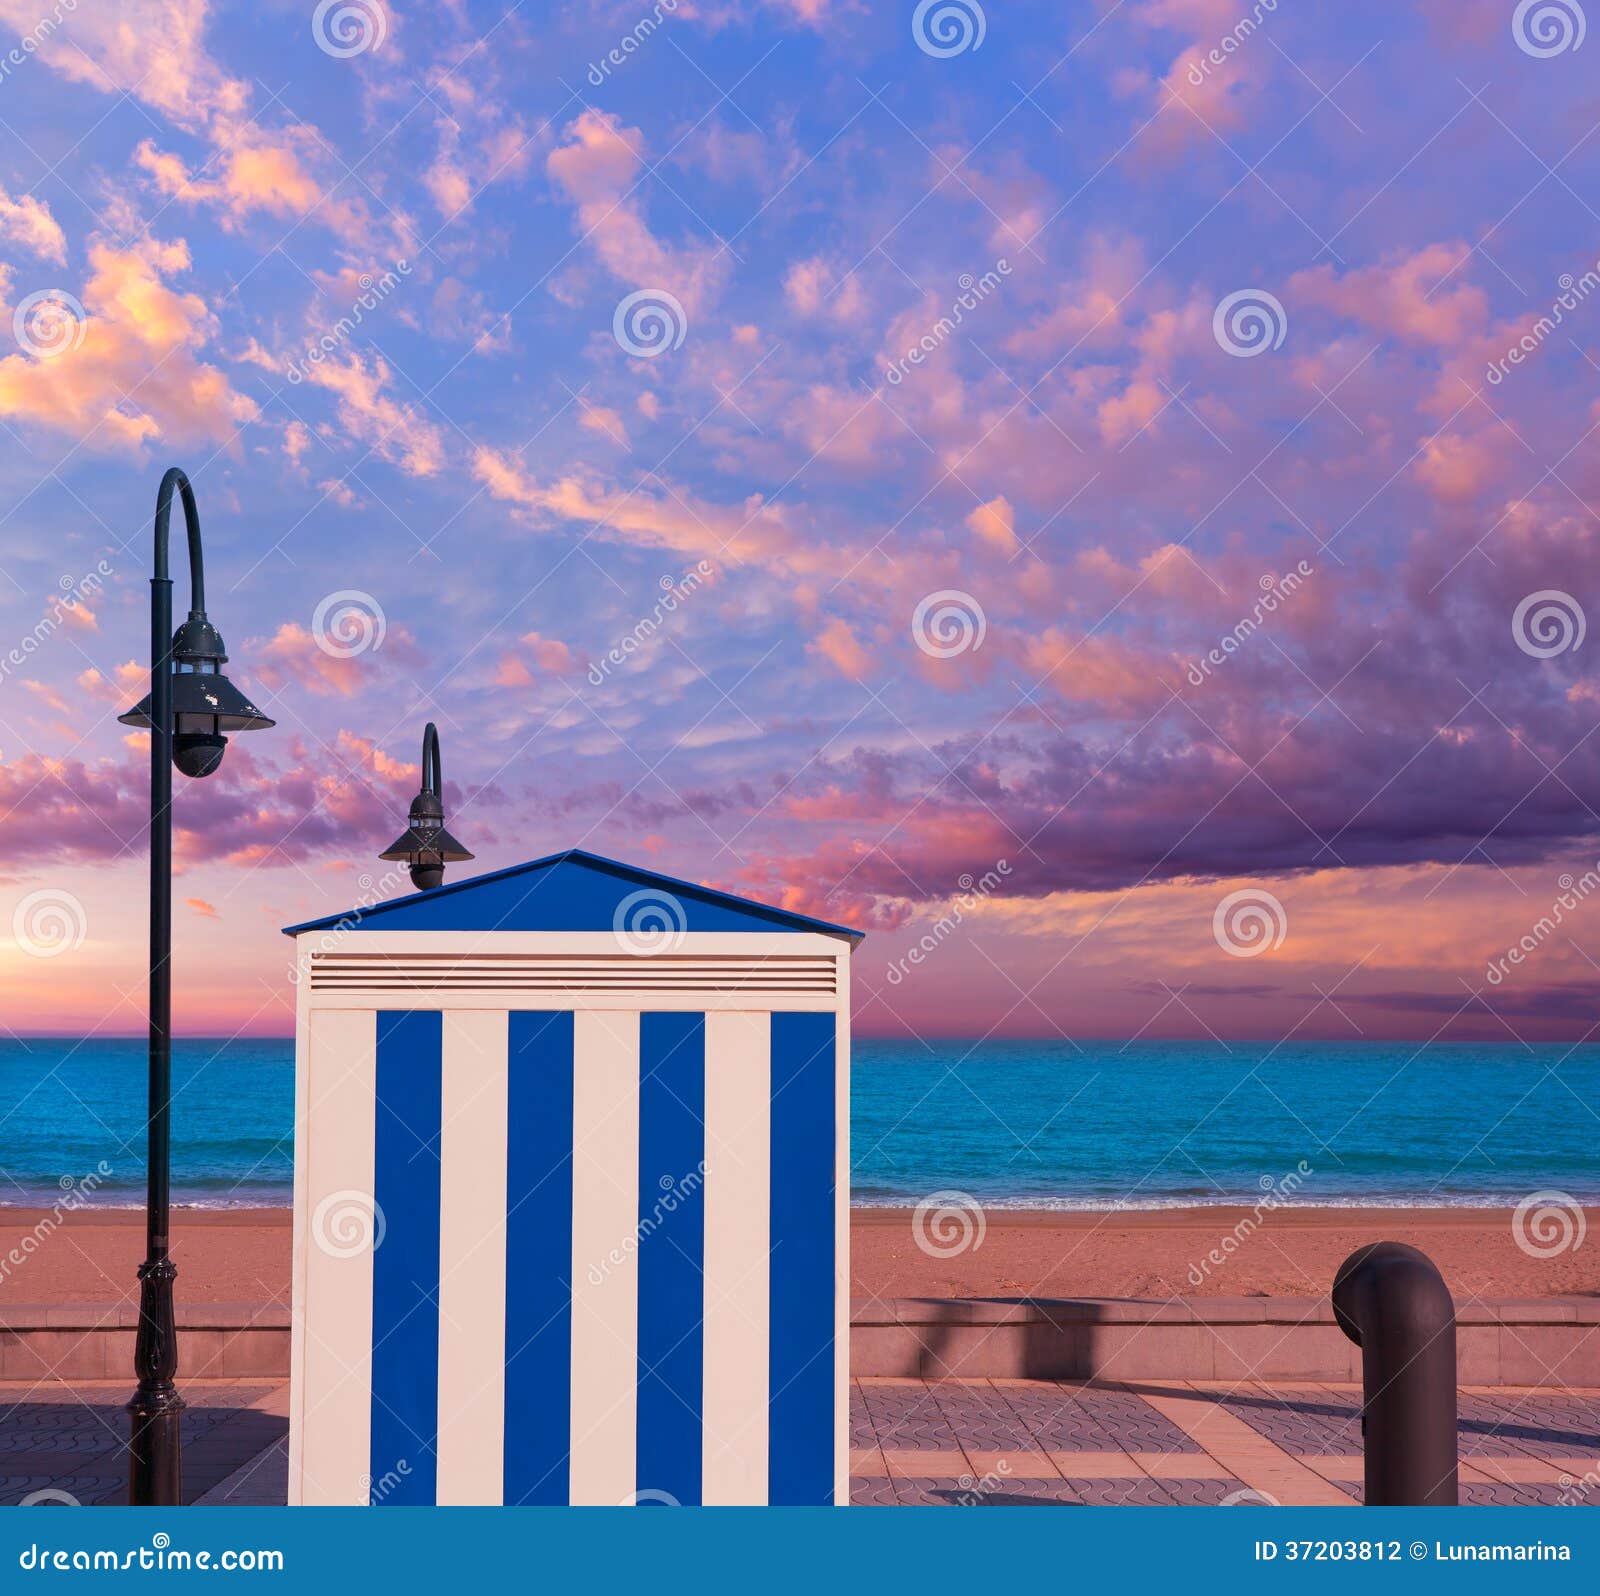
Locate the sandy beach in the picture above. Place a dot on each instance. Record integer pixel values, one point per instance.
(242, 1255)
(92, 1255)
(1164, 1253)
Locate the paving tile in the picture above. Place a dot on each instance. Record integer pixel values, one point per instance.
(1142, 1492)
(1034, 1465)
(861, 1430)
(907, 1418)
(872, 1492)
(911, 1464)
(1519, 1495)
(1485, 1429)
(86, 1488)
(1533, 1470)
(262, 1482)
(982, 1417)
(1055, 1419)
(1019, 1493)
(1540, 1426)
(76, 1438)
(1098, 1465)
(1129, 1422)
(923, 1492)
(1212, 1492)
(1030, 1493)
(1303, 1423)
(1082, 1418)
(1181, 1466)
(1249, 1455)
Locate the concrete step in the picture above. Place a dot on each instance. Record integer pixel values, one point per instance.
(93, 1341)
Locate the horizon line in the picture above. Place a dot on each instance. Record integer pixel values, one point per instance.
(868, 1036)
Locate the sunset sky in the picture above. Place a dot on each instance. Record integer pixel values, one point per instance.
(992, 367)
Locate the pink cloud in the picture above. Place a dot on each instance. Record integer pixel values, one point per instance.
(598, 168)
(603, 420)
(1211, 89)
(152, 49)
(840, 647)
(1113, 676)
(816, 288)
(127, 372)
(1089, 308)
(754, 532)
(996, 523)
(304, 801)
(1420, 297)
(26, 221)
(291, 655)
(547, 654)
(1457, 469)
(128, 683)
(395, 429)
(511, 672)
(155, 52)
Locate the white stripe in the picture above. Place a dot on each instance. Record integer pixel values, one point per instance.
(472, 1252)
(336, 1310)
(841, 1239)
(737, 1243)
(605, 1257)
(297, 1282)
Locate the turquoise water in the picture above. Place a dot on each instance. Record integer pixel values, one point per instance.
(66, 1107)
(1020, 1123)
(1149, 1125)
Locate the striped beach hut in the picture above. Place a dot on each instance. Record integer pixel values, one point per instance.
(571, 1182)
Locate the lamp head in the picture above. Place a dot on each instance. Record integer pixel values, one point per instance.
(425, 844)
(205, 704)
(198, 753)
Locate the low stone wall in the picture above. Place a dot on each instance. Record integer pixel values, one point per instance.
(1549, 1341)
(85, 1341)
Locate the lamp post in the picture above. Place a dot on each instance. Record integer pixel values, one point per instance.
(425, 845)
(189, 710)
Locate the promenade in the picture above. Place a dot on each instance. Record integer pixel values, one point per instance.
(919, 1443)
(1190, 1443)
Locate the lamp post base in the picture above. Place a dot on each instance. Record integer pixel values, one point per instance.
(155, 1456)
(155, 1462)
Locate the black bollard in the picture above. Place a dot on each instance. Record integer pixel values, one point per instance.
(1393, 1303)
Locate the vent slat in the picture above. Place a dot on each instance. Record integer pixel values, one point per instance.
(794, 975)
(578, 976)
(621, 985)
(541, 985)
(606, 969)
(324, 955)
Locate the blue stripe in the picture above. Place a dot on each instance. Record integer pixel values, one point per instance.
(672, 1150)
(405, 1267)
(538, 1413)
(800, 1407)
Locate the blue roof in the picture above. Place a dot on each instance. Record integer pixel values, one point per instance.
(570, 891)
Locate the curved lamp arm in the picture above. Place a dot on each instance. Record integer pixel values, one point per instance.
(175, 478)
(432, 776)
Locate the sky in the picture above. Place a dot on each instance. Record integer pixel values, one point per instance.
(1097, 495)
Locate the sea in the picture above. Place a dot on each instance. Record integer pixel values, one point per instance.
(1087, 1125)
